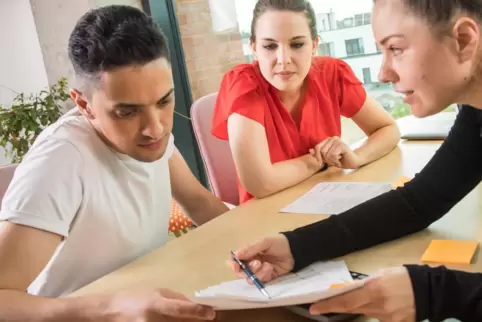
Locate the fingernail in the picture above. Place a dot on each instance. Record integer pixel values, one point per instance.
(207, 312)
(211, 314)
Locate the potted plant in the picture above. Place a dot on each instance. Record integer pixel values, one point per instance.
(22, 122)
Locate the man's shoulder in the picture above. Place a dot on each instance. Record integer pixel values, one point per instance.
(72, 126)
(71, 132)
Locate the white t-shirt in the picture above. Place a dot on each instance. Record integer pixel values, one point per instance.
(110, 207)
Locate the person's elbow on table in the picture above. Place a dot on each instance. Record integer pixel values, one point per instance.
(259, 186)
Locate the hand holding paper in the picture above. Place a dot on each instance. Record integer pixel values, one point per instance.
(307, 286)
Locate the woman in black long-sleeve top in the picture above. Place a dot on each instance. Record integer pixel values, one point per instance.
(432, 53)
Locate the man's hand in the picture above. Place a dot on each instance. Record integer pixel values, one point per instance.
(268, 258)
(336, 153)
(387, 296)
(159, 306)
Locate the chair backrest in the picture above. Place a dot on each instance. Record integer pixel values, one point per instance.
(215, 153)
(6, 175)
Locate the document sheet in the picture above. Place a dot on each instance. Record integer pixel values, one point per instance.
(332, 198)
(309, 285)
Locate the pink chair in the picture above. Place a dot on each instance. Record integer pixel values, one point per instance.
(215, 153)
(6, 175)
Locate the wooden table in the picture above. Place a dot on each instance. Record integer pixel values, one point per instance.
(197, 260)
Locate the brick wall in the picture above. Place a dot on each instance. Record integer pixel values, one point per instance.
(208, 54)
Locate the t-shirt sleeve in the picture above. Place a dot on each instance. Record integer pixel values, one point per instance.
(171, 147)
(239, 94)
(351, 94)
(46, 189)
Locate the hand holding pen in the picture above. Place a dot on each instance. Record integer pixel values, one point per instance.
(251, 275)
(268, 258)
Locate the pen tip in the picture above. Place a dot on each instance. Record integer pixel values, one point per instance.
(266, 293)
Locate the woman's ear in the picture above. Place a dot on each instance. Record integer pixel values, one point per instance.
(316, 41)
(467, 35)
(252, 45)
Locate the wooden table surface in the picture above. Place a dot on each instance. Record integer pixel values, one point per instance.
(197, 259)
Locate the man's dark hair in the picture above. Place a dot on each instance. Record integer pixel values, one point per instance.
(115, 36)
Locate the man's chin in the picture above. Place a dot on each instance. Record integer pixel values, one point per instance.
(149, 156)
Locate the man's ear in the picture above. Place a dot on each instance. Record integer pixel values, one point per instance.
(82, 103)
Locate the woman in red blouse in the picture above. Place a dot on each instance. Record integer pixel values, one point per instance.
(281, 114)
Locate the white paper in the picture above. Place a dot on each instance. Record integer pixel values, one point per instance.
(306, 286)
(332, 198)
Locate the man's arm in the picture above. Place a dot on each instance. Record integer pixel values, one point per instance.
(441, 293)
(196, 201)
(24, 252)
(452, 173)
(33, 222)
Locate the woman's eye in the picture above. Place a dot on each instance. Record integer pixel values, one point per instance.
(297, 45)
(270, 47)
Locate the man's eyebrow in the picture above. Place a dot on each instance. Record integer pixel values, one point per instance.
(136, 105)
(169, 92)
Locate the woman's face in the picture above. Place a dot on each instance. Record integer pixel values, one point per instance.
(284, 48)
(432, 70)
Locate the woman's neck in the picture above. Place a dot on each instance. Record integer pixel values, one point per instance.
(473, 94)
(291, 99)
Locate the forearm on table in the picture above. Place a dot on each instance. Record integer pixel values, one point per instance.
(204, 207)
(378, 144)
(22, 307)
(441, 293)
(376, 221)
(281, 175)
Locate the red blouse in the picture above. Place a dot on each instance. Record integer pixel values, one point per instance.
(333, 90)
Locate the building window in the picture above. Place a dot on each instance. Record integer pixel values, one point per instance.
(367, 76)
(326, 49)
(359, 19)
(354, 47)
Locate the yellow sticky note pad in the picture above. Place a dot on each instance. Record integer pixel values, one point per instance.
(400, 182)
(450, 251)
(337, 285)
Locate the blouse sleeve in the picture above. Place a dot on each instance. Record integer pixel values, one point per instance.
(351, 94)
(239, 94)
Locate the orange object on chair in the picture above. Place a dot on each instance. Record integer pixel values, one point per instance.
(179, 223)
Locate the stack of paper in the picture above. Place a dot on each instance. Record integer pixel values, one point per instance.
(309, 285)
(332, 198)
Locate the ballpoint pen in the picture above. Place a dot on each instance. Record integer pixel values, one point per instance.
(251, 275)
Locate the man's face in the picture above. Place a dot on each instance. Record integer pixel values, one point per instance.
(132, 109)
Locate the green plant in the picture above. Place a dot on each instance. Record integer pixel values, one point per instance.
(401, 110)
(22, 122)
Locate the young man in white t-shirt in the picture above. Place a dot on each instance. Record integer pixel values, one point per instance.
(94, 191)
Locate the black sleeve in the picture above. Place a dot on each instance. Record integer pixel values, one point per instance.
(441, 293)
(451, 174)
